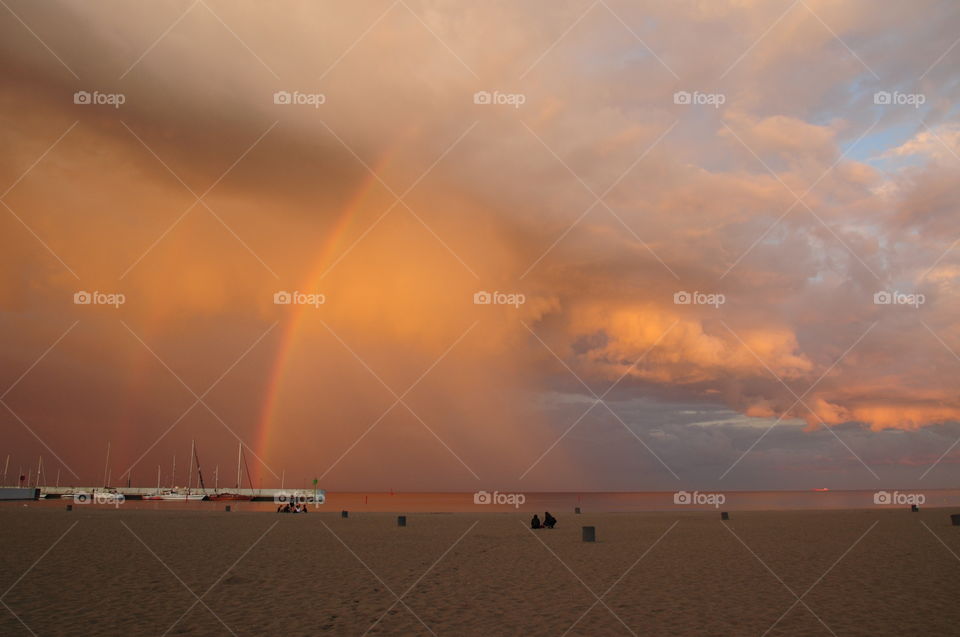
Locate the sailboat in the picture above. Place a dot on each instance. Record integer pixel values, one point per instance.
(176, 495)
(173, 493)
(226, 495)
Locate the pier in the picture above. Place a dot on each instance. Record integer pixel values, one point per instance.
(137, 493)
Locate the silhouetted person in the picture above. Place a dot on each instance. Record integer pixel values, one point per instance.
(535, 522)
(548, 520)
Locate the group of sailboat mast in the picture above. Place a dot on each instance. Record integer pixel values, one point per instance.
(174, 494)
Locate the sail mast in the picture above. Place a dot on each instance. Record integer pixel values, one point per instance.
(190, 470)
(196, 457)
(106, 465)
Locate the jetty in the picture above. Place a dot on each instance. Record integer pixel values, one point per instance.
(19, 493)
(138, 493)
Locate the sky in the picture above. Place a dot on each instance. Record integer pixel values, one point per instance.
(430, 246)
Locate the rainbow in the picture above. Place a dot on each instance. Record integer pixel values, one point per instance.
(331, 249)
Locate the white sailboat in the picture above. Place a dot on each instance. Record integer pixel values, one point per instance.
(173, 493)
(226, 495)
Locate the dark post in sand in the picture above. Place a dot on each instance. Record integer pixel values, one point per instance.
(724, 515)
(589, 534)
(344, 514)
(401, 520)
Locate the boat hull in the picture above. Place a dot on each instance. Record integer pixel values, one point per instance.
(177, 497)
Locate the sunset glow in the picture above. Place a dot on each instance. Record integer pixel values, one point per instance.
(718, 241)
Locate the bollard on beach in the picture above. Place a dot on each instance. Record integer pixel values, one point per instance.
(724, 515)
(344, 514)
(69, 507)
(589, 534)
(576, 510)
(401, 520)
(227, 508)
(955, 518)
(914, 508)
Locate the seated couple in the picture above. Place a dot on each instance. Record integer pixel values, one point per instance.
(548, 521)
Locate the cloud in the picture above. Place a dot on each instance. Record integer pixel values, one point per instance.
(398, 198)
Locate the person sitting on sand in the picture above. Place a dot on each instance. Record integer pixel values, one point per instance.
(548, 520)
(535, 522)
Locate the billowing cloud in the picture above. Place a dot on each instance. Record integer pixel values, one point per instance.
(781, 248)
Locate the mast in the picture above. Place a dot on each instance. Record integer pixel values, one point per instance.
(105, 465)
(216, 478)
(190, 471)
(196, 457)
(58, 477)
(239, 452)
(249, 480)
(173, 474)
(39, 466)
(158, 479)
(5, 467)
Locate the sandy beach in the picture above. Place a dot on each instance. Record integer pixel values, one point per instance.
(140, 572)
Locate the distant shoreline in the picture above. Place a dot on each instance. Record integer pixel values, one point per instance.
(495, 501)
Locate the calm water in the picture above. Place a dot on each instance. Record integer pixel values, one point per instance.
(595, 502)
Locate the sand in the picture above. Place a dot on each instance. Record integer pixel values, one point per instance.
(267, 574)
